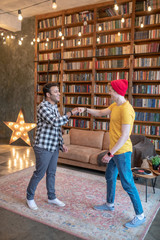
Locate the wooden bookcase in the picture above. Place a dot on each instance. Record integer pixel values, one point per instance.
(107, 49)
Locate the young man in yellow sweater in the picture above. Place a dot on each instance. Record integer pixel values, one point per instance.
(122, 117)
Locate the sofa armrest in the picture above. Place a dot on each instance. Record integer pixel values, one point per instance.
(66, 138)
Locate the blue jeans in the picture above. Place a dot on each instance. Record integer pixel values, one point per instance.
(122, 163)
(46, 162)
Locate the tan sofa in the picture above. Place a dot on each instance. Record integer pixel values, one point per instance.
(84, 147)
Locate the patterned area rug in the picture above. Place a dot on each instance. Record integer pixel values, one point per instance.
(80, 191)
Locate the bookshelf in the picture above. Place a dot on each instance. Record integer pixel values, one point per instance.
(87, 47)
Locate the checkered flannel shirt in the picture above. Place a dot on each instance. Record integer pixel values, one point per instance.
(49, 122)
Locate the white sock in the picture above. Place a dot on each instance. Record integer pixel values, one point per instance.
(140, 216)
(110, 204)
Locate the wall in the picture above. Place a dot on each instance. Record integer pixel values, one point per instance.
(17, 78)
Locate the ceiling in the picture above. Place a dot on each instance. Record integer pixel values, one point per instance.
(9, 10)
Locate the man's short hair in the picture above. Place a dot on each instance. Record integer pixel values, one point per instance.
(47, 87)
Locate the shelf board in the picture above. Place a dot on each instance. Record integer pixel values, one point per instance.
(146, 81)
(112, 31)
(77, 59)
(77, 93)
(102, 94)
(75, 36)
(89, 22)
(78, 105)
(146, 68)
(78, 47)
(75, 127)
(148, 26)
(145, 13)
(147, 40)
(118, 17)
(148, 109)
(146, 122)
(50, 71)
(112, 69)
(77, 82)
(49, 50)
(77, 70)
(113, 56)
(145, 95)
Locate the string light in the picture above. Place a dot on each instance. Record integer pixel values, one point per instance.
(122, 19)
(62, 38)
(100, 28)
(115, 5)
(119, 34)
(79, 42)
(19, 42)
(141, 25)
(85, 21)
(98, 39)
(47, 39)
(20, 15)
(79, 34)
(54, 4)
(149, 6)
(60, 33)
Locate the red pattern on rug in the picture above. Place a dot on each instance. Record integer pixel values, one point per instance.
(80, 191)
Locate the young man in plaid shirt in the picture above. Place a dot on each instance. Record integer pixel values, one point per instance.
(48, 142)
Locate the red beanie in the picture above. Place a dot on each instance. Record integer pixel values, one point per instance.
(120, 86)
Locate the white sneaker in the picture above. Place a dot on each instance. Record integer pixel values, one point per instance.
(31, 204)
(57, 202)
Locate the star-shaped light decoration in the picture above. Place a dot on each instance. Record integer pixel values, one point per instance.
(20, 129)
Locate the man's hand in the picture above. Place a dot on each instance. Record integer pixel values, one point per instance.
(65, 148)
(82, 109)
(106, 158)
(75, 111)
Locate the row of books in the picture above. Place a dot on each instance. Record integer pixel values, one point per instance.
(113, 51)
(108, 76)
(150, 34)
(156, 143)
(144, 89)
(145, 102)
(101, 88)
(44, 67)
(146, 75)
(149, 19)
(78, 42)
(50, 22)
(147, 48)
(77, 77)
(75, 30)
(49, 45)
(125, 8)
(49, 56)
(78, 65)
(49, 78)
(143, 5)
(101, 125)
(115, 63)
(78, 54)
(147, 116)
(147, 130)
(77, 100)
(49, 34)
(114, 38)
(79, 17)
(102, 101)
(147, 62)
(77, 88)
(116, 24)
(78, 123)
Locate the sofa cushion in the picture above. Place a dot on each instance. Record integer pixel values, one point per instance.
(86, 138)
(106, 141)
(80, 153)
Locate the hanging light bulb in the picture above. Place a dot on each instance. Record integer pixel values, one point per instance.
(141, 25)
(115, 5)
(21, 38)
(8, 37)
(62, 44)
(47, 39)
(19, 42)
(62, 38)
(149, 6)
(119, 34)
(4, 42)
(38, 39)
(2, 34)
(34, 39)
(98, 39)
(12, 37)
(100, 28)
(20, 15)
(79, 34)
(54, 4)
(60, 33)
(122, 19)
(32, 43)
(85, 21)
(79, 42)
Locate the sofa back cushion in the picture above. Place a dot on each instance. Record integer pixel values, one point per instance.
(106, 141)
(86, 138)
